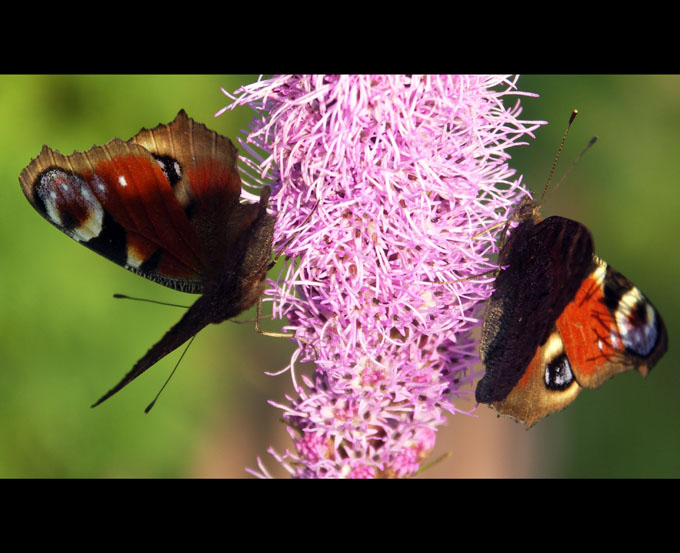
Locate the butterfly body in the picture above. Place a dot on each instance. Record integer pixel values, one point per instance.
(164, 205)
(560, 319)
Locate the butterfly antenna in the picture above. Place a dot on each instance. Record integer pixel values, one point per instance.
(124, 297)
(578, 158)
(573, 115)
(150, 406)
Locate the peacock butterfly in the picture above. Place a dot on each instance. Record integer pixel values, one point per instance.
(560, 319)
(164, 205)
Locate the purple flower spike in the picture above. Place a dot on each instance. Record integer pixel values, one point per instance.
(382, 188)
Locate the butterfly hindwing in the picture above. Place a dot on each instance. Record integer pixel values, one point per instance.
(238, 286)
(547, 384)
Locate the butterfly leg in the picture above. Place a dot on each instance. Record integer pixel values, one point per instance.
(264, 333)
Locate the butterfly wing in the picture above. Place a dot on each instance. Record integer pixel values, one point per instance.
(150, 204)
(547, 384)
(611, 327)
(607, 328)
(238, 287)
(201, 166)
(546, 262)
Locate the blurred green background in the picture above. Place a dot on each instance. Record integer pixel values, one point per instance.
(64, 341)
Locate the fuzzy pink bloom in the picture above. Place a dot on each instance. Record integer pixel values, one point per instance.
(385, 185)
